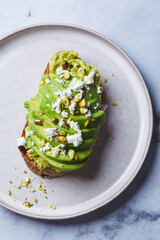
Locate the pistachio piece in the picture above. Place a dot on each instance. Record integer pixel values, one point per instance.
(38, 122)
(65, 101)
(76, 100)
(65, 65)
(75, 157)
(68, 121)
(76, 64)
(67, 75)
(55, 121)
(35, 200)
(82, 103)
(86, 123)
(71, 153)
(61, 132)
(83, 110)
(27, 204)
(62, 139)
(41, 83)
(105, 80)
(9, 192)
(74, 69)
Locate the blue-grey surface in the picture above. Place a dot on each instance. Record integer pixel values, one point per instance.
(135, 26)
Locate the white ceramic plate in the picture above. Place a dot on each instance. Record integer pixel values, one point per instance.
(114, 163)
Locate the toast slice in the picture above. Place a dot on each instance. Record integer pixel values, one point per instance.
(32, 165)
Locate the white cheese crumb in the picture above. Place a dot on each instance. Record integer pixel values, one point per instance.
(98, 90)
(59, 80)
(59, 71)
(74, 126)
(72, 107)
(88, 88)
(79, 95)
(29, 133)
(58, 150)
(51, 132)
(21, 141)
(88, 104)
(75, 139)
(45, 148)
(97, 105)
(61, 122)
(76, 84)
(57, 106)
(64, 114)
(90, 78)
(64, 94)
(88, 114)
(47, 80)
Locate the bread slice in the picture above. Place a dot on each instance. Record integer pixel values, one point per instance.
(32, 165)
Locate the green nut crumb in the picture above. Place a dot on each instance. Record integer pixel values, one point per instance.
(27, 204)
(9, 192)
(10, 181)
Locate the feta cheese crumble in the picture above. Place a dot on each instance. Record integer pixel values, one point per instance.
(98, 90)
(74, 126)
(61, 122)
(72, 107)
(47, 80)
(90, 78)
(45, 148)
(51, 132)
(58, 150)
(64, 114)
(29, 133)
(21, 141)
(75, 139)
(88, 114)
(76, 84)
(57, 106)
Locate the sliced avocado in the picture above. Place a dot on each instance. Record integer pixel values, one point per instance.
(81, 155)
(59, 165)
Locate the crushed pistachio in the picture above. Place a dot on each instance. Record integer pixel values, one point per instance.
(19, 187)
(82, 103)
(35, 200)
(24, 171)
(46, 197)
(83, 110)
(117, 120)
(27, 181)
(111, 138)
(105, 80)
(114, 104)
(53, 208)
(76, 100)
(9, 192)
(27, 204)
(86, 123)
(10, 181)
(65, 101)
(67, 75)
(32, 190)
(40, 187)
(61, 132)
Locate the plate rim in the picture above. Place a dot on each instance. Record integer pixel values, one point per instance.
(149, 104)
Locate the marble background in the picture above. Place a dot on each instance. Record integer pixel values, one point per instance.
(135, 27)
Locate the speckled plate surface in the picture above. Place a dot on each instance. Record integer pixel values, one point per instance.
(123, 141)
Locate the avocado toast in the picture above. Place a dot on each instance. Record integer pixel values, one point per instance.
(64, 118)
